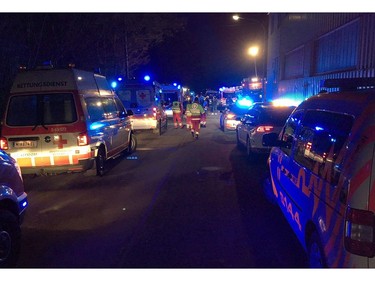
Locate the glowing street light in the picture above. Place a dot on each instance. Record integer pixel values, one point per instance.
(236, 17)
(253, 51)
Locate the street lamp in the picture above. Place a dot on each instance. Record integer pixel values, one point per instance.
(253, 51)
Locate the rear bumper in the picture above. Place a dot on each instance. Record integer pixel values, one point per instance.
(144, 123)
(83, 165)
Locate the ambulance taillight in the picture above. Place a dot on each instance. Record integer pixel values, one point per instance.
(4, 143)
(360, 232)
(82, 139)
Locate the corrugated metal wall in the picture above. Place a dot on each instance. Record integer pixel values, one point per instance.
(290, 32)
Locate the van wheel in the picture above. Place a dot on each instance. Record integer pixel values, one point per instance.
(100, 162)
(315, 252)
(10, 239)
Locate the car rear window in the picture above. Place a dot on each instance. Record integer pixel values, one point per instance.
(41, 109)
(275, 116)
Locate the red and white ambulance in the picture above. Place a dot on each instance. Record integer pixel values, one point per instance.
(64, 120)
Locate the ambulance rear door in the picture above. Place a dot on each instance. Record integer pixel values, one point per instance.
(40, 127)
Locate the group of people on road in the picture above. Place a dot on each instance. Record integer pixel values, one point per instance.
(195, 116)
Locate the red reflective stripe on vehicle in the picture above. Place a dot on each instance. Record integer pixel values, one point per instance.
(359, 178)
(61, 160)
(42, 161)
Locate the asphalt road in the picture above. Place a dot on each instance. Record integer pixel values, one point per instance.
(176, 202)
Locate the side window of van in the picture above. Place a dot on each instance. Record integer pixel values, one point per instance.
(95, 109)
(319, 141)
(121, 111)
(288, 133)
(110, 108)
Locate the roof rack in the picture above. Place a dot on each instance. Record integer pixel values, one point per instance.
(349, 83)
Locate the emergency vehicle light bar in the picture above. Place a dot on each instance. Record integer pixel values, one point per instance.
(349, 83)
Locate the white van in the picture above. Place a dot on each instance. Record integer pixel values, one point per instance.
(64, 120)
(323, 174)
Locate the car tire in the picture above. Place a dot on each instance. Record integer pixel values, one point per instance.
(157, 130)
(132, 144)
(249, 153)
(10, 239)
(100, 162)
(239, 144)
(315, 252)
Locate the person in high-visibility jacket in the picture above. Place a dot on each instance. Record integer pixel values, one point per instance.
(188, 115)
(196, 110)
(177, 114)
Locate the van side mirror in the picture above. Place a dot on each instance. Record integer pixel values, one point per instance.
(130, 112)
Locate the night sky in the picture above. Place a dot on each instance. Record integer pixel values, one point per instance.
(210, 52)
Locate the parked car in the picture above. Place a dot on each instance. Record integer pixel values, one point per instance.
(322, 172)
(260, 119)
(13, 204)
(230, 117)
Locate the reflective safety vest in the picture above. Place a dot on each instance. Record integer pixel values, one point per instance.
(187, 112)
(196, 110)
(176, 107)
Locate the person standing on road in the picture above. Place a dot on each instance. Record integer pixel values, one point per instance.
(177, 114)
(188, 115)
(214, 105)
(196, 110)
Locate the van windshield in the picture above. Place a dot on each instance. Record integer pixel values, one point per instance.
(41, 109)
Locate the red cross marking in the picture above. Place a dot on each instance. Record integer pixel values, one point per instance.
(142, 95)
(60, 142)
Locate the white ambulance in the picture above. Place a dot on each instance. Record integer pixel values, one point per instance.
(323, 174)
(64, 120)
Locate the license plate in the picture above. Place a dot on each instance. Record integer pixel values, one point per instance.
(24, 144)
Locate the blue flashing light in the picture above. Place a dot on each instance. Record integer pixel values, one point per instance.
(245, 102)
(175, 84)
(113, 84)
(318, 128)
(119, 79)
(286, 102)
(95, 126)
(147, 78)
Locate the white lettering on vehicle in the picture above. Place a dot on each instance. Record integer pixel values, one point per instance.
(58, 130)
(42, 84)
